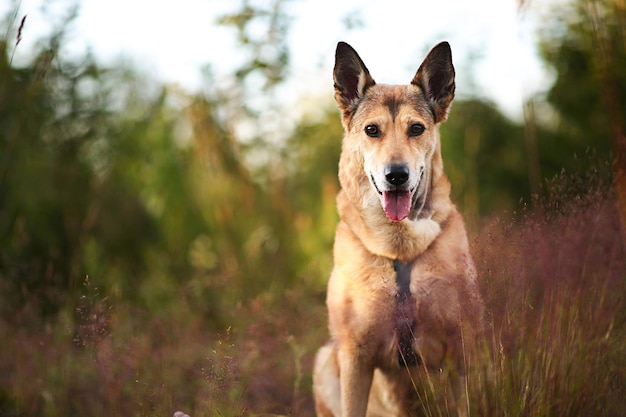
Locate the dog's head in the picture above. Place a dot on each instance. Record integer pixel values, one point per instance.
(393, 129)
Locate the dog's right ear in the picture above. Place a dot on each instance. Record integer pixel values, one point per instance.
(352, 79)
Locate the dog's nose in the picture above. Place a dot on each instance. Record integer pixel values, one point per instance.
(397, 174)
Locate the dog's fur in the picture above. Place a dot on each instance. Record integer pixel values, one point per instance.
(394, 205)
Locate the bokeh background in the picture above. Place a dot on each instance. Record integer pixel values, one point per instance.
(167, 198)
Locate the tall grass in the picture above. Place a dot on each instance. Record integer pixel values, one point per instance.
(554, 283)
(113, 358)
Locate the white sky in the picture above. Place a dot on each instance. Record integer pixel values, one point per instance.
(172, 40)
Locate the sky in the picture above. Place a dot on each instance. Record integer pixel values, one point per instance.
(493, 41)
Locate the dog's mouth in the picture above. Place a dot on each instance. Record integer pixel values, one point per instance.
(396, 203)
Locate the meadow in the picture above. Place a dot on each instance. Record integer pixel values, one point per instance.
(553, 282)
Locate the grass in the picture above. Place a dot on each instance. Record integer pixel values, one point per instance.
(555, 287)
(553, 282)
(117, 360)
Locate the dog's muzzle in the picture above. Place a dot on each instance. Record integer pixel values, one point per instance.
(396, 194)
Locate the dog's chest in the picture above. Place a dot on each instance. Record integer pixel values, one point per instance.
(377, 309)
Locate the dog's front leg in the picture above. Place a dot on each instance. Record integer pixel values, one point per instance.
(356, 373)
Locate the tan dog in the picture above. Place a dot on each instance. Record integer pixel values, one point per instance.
(402, 298)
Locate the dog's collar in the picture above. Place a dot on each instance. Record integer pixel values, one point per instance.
(405, 315)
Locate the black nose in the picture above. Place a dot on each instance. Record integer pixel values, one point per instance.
(397, 174)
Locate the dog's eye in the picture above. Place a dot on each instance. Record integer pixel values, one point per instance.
(416, 129)
(372, 131)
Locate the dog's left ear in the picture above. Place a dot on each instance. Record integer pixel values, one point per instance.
(436, 79)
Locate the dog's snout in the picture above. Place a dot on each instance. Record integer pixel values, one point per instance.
(397, 174)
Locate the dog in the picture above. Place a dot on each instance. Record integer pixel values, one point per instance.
(404, 307)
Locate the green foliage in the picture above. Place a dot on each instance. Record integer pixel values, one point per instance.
(312, 155)
(46, 182)
(586, 49)
(267, 47)
(485, 158)
(585, 45)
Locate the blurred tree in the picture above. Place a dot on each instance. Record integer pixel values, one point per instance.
(93, 181)
(246, 100)
(262, 33)
(586, 46)
(99, 177)
(311, 158)
(32, 224)
(484, 157)
(55, 117)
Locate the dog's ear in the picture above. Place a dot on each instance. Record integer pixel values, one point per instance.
(352, 79)
(436, 79)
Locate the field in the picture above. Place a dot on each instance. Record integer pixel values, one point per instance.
(553, 281)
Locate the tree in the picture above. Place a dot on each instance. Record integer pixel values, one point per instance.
(586, 48)
(484, 157)
(47, 126)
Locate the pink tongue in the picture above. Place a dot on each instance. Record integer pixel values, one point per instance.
(397, 204)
